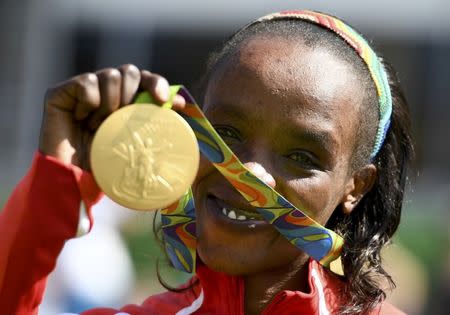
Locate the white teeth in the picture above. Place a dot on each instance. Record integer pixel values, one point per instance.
(232, 214)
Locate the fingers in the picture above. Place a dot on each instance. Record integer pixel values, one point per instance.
(178, 102)
(94, 96)
(131, 77)
(88, 95)
(110, 85)
(79, 94)
(158, 87)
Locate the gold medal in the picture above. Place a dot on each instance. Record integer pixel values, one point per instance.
(144, 157)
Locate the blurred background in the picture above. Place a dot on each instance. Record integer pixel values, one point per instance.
(44, 42)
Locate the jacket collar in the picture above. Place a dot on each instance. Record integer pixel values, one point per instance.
(227, 291)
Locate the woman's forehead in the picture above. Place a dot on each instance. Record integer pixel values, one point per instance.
(285, 72)
(280, 85)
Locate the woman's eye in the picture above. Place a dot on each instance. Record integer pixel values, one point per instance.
(227, 133)
(304, 159)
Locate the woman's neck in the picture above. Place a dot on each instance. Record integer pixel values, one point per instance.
(261, 288)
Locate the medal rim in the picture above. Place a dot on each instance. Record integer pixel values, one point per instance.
(99, 178)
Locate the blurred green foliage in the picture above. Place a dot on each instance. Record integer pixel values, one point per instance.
(146, 252)
(426, 236)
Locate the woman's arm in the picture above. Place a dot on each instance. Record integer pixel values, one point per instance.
(41, 214)
(43, 211)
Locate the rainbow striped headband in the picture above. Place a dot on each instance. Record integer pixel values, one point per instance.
(361, 46)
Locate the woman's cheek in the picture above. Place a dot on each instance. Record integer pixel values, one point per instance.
(205, 168)
(313, 195)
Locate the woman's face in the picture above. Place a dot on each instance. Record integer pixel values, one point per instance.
(289, 112)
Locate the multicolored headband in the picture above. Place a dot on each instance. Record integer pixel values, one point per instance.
(362, 47)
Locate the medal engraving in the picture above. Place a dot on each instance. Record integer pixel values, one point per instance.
(144, 157)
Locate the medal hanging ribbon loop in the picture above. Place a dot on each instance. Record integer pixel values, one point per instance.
(178, 220)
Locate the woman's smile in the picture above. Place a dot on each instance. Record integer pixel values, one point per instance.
(234, 214)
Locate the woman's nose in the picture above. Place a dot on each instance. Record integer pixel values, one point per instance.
(259, 171)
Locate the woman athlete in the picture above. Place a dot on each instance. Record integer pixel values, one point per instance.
(308, 107)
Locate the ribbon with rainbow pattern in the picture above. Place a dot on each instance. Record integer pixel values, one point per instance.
(178, 220)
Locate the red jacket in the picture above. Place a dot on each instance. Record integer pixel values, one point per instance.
(43, 212)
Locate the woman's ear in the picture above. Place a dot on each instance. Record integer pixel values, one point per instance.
(358, 185)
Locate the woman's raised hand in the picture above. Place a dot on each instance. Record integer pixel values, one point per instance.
(74, 109)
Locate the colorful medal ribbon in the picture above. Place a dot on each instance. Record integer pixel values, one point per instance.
(178, 220)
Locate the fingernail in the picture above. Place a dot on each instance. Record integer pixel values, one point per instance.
(269, 180)
(162, 90)
(256, 168)
(179, 101)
